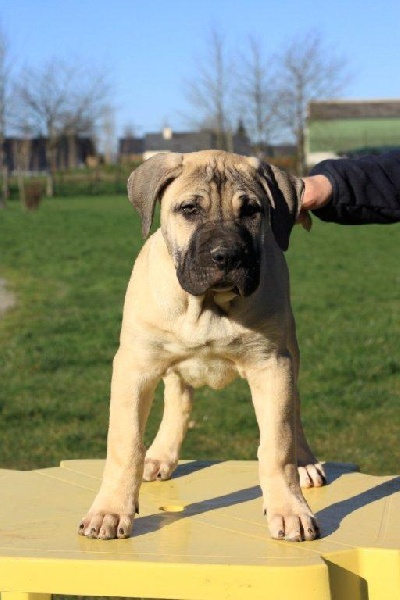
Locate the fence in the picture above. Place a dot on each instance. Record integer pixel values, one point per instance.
(104, 180)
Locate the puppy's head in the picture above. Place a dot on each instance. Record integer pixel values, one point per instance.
(215, 209)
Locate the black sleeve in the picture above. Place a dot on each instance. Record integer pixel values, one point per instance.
(365, 190)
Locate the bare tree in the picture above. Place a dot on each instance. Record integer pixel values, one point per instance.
(108, 133)
(87, 107)
(208, 93)
(130, 131)
(43, 96)
(5, 103)
(257, 94)
(60, 99)
(307, 70)
(22, 153)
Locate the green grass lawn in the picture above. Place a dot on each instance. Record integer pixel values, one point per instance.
(68, 265)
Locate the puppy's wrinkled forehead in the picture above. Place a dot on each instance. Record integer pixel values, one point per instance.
(220, 173)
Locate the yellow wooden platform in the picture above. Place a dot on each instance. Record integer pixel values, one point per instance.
(200, 536)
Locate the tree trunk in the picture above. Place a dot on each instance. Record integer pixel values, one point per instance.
(4, 188)
(301, 159)
(4, 176)
(21, 189)
(50, 159)
(71, 151)
(20, 164)
(49, 184)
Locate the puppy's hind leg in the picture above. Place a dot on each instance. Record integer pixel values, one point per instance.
(162, 456)
(311, 472)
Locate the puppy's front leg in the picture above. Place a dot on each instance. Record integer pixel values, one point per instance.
(288, 514)
(112, 512)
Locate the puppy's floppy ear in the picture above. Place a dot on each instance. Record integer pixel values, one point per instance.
(285, 193)
(148, 182)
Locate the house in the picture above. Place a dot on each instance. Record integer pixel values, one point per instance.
(189, 141)
(29, 154)
(345, 127)
(130, 148)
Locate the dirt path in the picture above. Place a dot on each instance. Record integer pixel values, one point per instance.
(7, 298)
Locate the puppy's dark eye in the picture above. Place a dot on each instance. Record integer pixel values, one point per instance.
(189, 209)
(250, 209)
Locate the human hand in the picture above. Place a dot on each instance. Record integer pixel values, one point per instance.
(317, 193)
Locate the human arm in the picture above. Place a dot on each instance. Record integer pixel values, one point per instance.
(355, 191)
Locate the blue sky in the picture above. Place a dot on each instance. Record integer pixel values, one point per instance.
(150, 47)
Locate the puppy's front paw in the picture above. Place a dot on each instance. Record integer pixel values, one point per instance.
(158, 468)
(106, 526)
(297, 526)
(312, 475)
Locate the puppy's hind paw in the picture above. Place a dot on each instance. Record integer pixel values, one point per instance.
(158, 469)
(312, 475)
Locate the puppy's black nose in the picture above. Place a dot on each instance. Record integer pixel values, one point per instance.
(224, 257)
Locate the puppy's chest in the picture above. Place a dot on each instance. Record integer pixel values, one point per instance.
(206, 355)
(204, 368)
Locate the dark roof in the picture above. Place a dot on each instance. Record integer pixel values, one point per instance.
(279, 150)
(241, 145)
(192, 141)
(179, 142)
(348, 109)
(131, 145)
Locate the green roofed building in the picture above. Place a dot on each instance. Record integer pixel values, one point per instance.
(351, 127)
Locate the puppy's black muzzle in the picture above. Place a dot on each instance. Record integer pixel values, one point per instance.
(225, 258)
(220, 255)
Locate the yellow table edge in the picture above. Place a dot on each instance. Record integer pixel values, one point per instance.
(110, 578)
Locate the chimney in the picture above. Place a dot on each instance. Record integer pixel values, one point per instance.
(167, 133)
